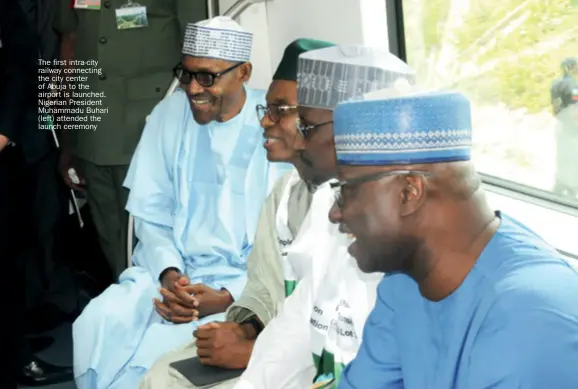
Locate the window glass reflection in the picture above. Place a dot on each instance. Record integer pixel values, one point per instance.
(514, 60)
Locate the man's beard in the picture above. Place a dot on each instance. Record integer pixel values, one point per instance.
(306, 161)
(400, 254)
(317, 179)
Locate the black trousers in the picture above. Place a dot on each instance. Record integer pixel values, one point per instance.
(30, 206)
(15, 200)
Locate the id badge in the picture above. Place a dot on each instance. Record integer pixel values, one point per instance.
(93, 5)
(131, 15)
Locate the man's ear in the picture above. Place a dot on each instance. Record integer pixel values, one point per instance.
(412, 195)
(246, 70)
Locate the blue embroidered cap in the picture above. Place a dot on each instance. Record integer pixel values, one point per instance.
(404, 130)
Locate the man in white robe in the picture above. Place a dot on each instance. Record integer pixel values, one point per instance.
(197, 183)
(319, 328)
(270, 277)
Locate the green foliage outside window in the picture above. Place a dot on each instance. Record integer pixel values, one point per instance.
(506, 51)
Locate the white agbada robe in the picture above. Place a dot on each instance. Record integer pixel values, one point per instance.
(196, 194)
(283, 353)
(294, 258)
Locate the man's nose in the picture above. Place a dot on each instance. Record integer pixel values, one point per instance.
(335, 214)
(194, 88)
(266, 121)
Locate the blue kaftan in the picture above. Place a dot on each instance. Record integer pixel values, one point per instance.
(196, 194)
(512, 324)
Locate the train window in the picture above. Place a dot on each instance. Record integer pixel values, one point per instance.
(517, 62)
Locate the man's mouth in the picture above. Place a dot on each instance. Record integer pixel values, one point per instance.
(344, 230)
(269, 139)
(200, 103)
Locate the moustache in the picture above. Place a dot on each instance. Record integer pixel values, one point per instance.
(344, 229)
(202, 97)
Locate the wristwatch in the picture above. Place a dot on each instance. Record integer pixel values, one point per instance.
(256, 324)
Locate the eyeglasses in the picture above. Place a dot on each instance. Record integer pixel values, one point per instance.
(305, 129)
(339, 185)
(204, 78)
(275, 112)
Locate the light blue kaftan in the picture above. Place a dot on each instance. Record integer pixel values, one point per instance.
(196, 194)
(512, 324)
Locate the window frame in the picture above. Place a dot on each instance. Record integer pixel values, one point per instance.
(397, 46)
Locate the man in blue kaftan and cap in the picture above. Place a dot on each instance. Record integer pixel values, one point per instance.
(473, 298)
(197, 182)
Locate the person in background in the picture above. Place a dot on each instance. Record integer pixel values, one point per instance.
(134, 65)
(564, 95)
(22, 150)
(318, 329)
(270, 277)
(472, 298)
(197, 183)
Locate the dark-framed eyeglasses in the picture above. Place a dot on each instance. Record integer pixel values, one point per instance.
(352, 182)
(275, 112)
(204, 78)
(305, 129)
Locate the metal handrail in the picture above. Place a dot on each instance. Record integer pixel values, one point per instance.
(238, 8)
(129, 242)
(212, 8)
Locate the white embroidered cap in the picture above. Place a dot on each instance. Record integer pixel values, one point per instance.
(328, 76)
(220, 38)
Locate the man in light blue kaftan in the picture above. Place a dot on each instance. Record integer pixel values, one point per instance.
(473, 299)
(197, 182)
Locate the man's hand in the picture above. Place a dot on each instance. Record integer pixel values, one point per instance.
(3, 142)
(172, 279)
(208, 300)
(224, 345)
(64, 164)
(178, 305)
